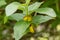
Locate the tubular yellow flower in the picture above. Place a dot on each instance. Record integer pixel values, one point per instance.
(27, 18)
(31, 29)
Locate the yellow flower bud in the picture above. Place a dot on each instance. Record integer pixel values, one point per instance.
(27, 18)
(31, 29)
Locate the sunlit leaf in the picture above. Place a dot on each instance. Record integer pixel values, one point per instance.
(47, 11)
(41, 19)
(19, 29)
(34, 6)
(11, 8)
(16, 16)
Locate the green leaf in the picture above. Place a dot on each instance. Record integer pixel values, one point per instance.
(55, 23)
(2, 2)
(47, 11)
(28, 1)
(16, 16)
(48, 3)
(21, 7)
(11, 8)
(19, 29)
(34, 6)
(40, 19)
(5, 19)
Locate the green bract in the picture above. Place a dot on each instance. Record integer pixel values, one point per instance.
(21, 26)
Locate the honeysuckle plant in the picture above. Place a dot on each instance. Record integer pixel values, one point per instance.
(25, 20)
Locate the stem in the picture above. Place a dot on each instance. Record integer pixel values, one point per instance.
(26, 9)
(35, 14)
(57, 6)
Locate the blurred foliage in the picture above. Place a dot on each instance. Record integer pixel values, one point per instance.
(6, 30)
